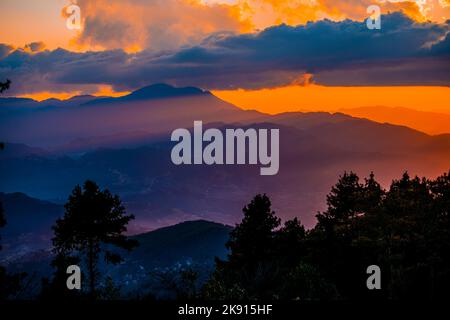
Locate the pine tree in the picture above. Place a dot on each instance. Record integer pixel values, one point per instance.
(251, 268)
(94, 222)
(335, 237)
(344, 205)
(438, 237)
(253, 239)
(4, 86)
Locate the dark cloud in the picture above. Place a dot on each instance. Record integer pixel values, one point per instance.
(5, 50)
(336, 53)
(34, 46)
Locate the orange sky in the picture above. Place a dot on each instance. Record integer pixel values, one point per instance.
(101, 90)
(333, 99)
(321, 98)
(312, 97)
(31, 21)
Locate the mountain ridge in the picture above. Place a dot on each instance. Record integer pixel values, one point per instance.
(430, 122)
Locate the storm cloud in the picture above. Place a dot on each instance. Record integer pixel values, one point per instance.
(403, 52)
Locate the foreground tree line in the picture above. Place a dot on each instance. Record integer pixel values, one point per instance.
(404, 230)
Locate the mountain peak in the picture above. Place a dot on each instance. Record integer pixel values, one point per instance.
(81, 97)
(162, 90)
(51, 100)
(153, 92)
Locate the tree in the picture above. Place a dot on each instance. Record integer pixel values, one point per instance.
(341, 243)
(344, 205)
(93, 224)
(56, 288)
(179, 284)
(291, 242)
(405, 213)
(250, 270)
(5, 85)
(438, 236)
(252, 240)
(405, 230)
(267, 260)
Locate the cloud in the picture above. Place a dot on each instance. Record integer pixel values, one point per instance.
(5, 50)
(153, 25)
(34, 46)
(324, 52)
(157, 25)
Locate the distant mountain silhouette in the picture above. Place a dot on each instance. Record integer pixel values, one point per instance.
(25, 214)
(15, 105)
(125, 146)
(197, 240)
(160, 193)
(82, 97)
(362, 135)
(428, 122)
(190, 243)
(29, 222)
(155, 91)
(307, 120)
(17, 150)
(7, 101)
(154, 109)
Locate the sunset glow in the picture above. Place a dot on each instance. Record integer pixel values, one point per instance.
(184, 152)
(322, 98)
(124, 45)
(101, 91)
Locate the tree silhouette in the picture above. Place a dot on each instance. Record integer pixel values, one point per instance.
(94, 223)
(438, 236)
(337, 241)
(344, 204)
(56, 288)
(405, 230)
(5, 85)
(248, 269)
(253, 239)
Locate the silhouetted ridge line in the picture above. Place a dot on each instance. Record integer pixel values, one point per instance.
(155, 91)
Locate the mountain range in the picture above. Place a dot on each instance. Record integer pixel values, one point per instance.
(124, 145)
(87, 122)
(429, 122)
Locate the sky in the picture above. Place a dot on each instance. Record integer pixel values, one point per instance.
(268, 55)
(334, 99)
